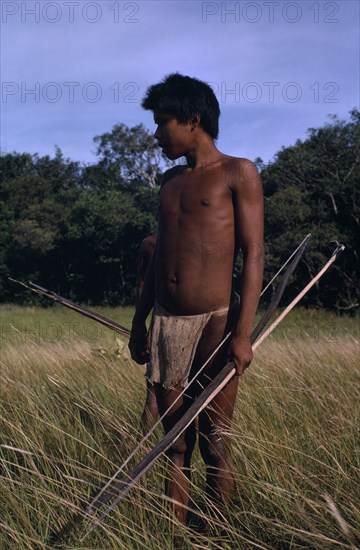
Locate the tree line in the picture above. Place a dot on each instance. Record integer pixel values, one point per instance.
(76, 229)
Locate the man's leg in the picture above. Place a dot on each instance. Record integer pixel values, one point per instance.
(179, 454)
(150, 413)
(215, 420)
(215, 443)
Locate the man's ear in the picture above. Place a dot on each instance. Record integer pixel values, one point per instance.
(195, 121)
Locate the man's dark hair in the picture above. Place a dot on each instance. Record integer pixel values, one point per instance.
(185, 98)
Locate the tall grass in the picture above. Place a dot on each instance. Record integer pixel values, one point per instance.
(70, 403)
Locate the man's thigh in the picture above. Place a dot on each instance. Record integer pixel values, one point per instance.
(171, 404)
(219, 413)
(213, 334)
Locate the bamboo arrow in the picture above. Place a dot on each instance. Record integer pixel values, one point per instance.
(337, 252)
(41, 291)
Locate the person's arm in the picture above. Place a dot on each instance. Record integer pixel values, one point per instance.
(146, 252)
(249, 219)
(144, 304)
(142, 267)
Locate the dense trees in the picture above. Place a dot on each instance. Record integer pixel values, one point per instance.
(76, 229)
(313, 187)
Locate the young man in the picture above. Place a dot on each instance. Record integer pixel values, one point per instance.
(146, 252)
(208, 209)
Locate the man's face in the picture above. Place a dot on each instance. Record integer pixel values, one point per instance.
(174, 138)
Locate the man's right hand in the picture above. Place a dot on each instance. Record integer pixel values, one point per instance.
(138, 344)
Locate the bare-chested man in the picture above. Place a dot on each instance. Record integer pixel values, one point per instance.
(146, 252)
(208, 209)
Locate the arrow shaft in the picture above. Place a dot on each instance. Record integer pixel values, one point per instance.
(306, 289)
(75, 307)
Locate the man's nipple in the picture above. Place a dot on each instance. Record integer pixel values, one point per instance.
(204, 202)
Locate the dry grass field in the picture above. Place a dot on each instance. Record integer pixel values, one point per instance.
(70, 403)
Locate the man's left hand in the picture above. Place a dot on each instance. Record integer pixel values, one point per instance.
(241, 353)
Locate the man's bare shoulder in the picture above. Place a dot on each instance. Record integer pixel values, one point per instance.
(241, 164)
(172, 173)
(244, 174)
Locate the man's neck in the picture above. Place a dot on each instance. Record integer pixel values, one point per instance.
(203, 152)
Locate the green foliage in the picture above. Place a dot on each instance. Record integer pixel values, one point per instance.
(132, 154)
(100, 243)
(77, 230)
(312, 187)
(34, 195)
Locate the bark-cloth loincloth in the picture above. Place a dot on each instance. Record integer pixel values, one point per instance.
(173, 343)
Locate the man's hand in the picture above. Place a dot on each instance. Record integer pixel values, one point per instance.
(241, 353)
(138, 344)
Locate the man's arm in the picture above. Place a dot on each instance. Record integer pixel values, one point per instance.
(249, 219)
(146, 252)
(145, 302)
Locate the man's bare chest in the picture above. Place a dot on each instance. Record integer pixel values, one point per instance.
(190, 197)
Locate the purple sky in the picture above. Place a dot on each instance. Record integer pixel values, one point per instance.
(72, 69)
